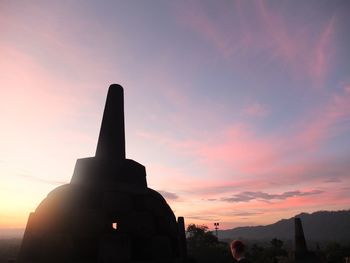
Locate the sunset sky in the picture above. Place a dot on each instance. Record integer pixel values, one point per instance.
(240, 110)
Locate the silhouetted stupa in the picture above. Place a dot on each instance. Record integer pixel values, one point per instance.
(106, 213)
(301, 252)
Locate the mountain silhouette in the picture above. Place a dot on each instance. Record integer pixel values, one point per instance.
(321, 226)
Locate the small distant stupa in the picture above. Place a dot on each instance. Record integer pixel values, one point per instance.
(301, 253)
(300, 242)
(106, 213)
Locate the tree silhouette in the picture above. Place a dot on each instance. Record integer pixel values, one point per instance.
(199, 236)
(204, 247)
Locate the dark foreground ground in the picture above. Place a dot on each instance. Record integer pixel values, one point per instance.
(9, 248)
(258, 252)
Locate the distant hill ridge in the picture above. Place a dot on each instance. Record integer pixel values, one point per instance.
(318, 226)
(11, 233)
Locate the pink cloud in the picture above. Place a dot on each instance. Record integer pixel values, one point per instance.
(202, 200)
(261, 211)
(302, 52)
(319, 63)
(326, 122)
(195, 16)
(283, 43)
(244, 160)
(256, 110)
(26, 84)
(273, 33)
(253, 154)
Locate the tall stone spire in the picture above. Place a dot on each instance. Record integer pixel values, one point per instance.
(111, 142)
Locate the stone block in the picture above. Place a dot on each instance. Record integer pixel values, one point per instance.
(114, 248)
(117, 203)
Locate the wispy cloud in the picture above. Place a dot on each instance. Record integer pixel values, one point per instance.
(248, 196)
(247, 214)
(320, 61)
(168, 195)
(256, 110)
(329, 121)
(266, 30)
(41, 180)
(332, 180)
(211, 218)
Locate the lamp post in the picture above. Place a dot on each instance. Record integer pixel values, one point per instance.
(216, 226)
